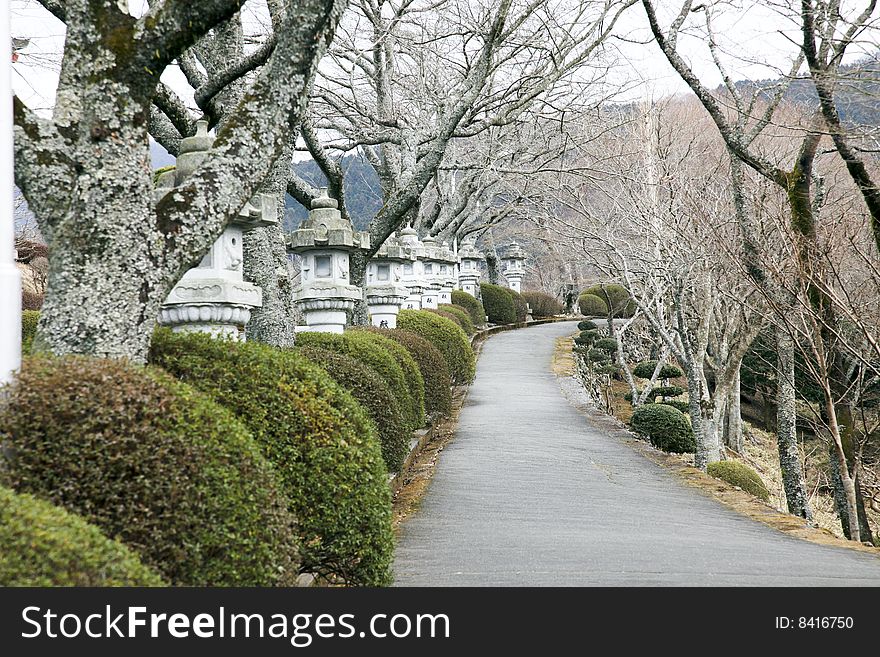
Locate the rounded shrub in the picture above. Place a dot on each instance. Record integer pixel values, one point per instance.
(447, 337)
(153, 463)
(606, 344)
(462, 317)
(321, 442)
(447, 315)
(432, 365)
(472, 305)
(587, 338)
(498, 304)
(592, 306)
(542, 304)
(739, 474)
(371, 392)
(645, 370)
(616, 298)
(520, 307)
(587, 325)
(682, 406)
(611, 370)
(666, 391)
(390, 361)
(29, 320)
(598, 356)
(44, 545)
(667, 428)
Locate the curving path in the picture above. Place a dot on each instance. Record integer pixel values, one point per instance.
(529, 493)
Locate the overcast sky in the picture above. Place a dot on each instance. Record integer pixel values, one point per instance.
(756, 40)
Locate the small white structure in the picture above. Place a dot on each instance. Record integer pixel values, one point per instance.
(448, 273)
(214, 297)
(513, 261)
(325, 241)
(470, 269)
(10, 277)
(413, 268)
(386, 292)
(431, 262)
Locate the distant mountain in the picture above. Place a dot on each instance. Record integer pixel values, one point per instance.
(857, 94)
(363, 194)
(161, 157)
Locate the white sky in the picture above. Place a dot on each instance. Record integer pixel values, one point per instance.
(756, 40)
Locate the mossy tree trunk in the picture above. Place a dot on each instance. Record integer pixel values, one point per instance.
(86, 172)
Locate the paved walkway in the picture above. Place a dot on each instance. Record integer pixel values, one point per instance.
(529, 493)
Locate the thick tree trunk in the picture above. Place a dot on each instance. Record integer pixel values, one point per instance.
(705, 430)
(733, 428)
(793, 480)
(357, 273)
(846, 420)
(266, 265)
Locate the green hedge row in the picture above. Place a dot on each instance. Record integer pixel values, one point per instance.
(43, 545)
(152, 462)
(462, 318)
(449, 339)
(472, 305)
(498, 303)
(371, 392)
(432, 364)
(320, 441)
(388, 358)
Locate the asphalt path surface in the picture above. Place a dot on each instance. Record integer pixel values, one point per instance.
(530, 494)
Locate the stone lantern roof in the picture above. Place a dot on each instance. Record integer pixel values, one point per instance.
(325, 227)
(468, 250)
(409, 240)
(394, 250)
(514, 252)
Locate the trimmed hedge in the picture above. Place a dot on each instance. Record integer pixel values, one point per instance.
(542, 304)
(678, 404)
(587, 325)
(606, 344)
(321, 442)
(520, 306)
(371, 392)
(498, 303)
(435, 371)
(616, 298)
(447, 315)
(666, 391)
(44, 545)
(463, 318)
(449, 339)
(29, 320)
(592, 306)
(153, 463)
(472, 305)
(390, 361)
(739, 474)
(587, 338)
(645, 370)
(598, 356)
(667, 428)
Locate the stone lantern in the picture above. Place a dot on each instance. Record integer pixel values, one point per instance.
(385, 289)
(513, 261)
(413, 271)
(214, 297)
(325, 242)
(448, 274)
(431, 262)
(470, 268)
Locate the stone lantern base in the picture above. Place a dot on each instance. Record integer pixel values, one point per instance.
(470, 283)
(325, 307)
(385, 302)
(414, 300)
(218, 306)
(431, 297)
(514, 281)
(444, 296)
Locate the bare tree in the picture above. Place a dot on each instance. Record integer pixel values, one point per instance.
(86, 172)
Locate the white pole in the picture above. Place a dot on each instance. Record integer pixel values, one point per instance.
(10, 278)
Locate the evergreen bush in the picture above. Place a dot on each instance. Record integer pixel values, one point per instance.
(472, 305)
(667, 428)
(498, 303)
(592, 305)
(449, 339)
(739, 474)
